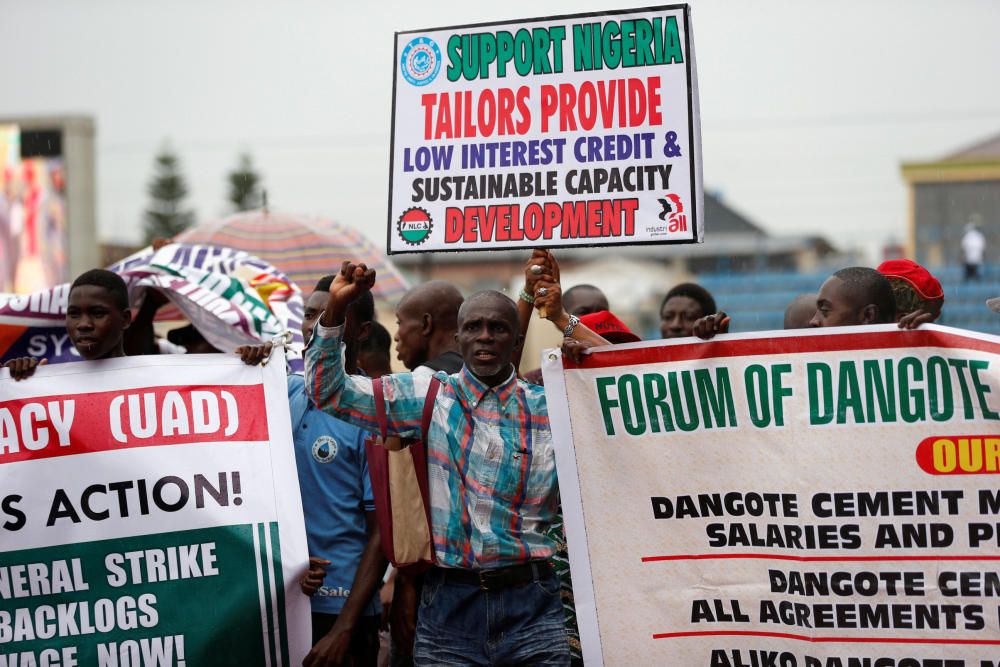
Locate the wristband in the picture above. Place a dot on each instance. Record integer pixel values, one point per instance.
(571, 325)
(524, 296)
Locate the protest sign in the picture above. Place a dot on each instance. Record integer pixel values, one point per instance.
(551, 132)
(150, 515)
(784, 498)
(232, 298)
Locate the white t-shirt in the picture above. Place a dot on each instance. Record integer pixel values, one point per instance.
(973, 245)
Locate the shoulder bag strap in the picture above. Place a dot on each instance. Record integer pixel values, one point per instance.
(383, 422)
(425, 421)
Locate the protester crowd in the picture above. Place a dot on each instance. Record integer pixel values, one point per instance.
(496, 590)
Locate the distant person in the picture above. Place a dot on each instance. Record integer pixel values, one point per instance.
(191, 340)
(973, 249)
(427, 321)
(918, 294)
(373, 351)
(97, 316)
(682, 307)
(800, 311)
(853, 296)
(584, 300)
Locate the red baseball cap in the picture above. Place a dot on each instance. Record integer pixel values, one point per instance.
(926, 285)
(604, 323)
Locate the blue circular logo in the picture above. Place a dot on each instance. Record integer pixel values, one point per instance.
(324, 449)
(421, 61)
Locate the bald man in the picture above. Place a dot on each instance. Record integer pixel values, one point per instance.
(427, 321)
(800, 311)
(584, 300)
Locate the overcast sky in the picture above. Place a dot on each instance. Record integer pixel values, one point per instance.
(807, 107)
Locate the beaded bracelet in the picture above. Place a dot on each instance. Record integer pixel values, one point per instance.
(524, 296)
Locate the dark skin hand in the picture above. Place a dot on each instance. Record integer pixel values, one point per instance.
(23, 368)
(576, 349)
(253, 355)
(547, 261)
(544, 259)
(351, 282)
(706, 327)
(314, 575)
(915, 319)
(333, 649)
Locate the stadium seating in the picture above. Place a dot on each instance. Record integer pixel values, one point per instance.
(756, 301)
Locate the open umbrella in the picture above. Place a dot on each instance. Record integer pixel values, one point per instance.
(304, 248)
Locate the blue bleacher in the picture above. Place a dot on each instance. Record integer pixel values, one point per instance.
(757, 301)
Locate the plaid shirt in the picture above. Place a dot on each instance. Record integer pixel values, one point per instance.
(489, 453)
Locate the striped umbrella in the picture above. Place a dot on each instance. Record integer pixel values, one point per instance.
(304, 248)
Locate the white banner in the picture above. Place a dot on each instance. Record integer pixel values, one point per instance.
(150, 515)
(550, 132)
(822, 499)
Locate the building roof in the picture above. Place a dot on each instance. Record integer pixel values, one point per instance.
(720, 218)
(982, 150)
(978, 162)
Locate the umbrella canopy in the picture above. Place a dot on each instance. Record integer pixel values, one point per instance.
(231, 297)
(303, 247)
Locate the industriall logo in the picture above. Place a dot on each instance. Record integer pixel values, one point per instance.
(421, 61)
(673, 213)
(414, 226)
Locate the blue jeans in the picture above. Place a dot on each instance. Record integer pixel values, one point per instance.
(461, 624)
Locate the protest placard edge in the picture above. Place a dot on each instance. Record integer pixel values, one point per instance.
(572, 505)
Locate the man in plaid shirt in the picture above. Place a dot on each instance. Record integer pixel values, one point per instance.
(493, 597)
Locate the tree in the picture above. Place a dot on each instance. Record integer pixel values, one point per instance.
(166, 216)
(244, 185)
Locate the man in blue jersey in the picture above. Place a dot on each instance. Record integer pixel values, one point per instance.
(346, 561)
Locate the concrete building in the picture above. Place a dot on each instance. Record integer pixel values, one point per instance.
(948, 194)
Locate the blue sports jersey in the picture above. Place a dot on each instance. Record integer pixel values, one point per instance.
(336, 493)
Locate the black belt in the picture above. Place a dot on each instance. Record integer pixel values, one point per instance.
(498, 578)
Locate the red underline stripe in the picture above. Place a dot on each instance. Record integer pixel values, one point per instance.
(823, 341)
(815, 559)
(846, 640)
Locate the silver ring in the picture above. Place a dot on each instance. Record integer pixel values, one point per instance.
(542, 291)
(536, 269)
